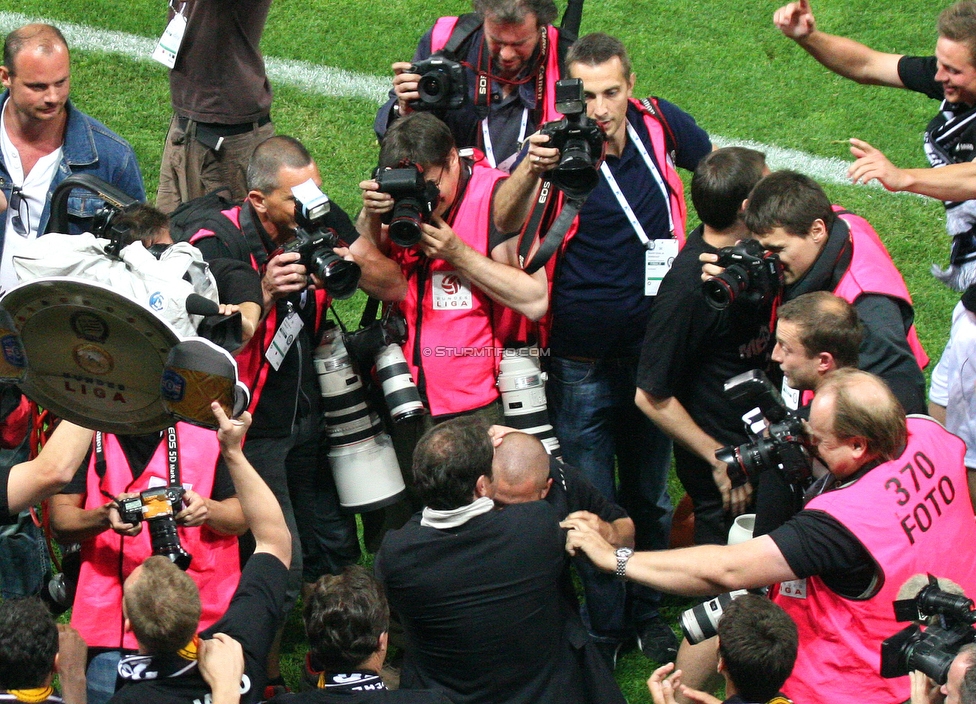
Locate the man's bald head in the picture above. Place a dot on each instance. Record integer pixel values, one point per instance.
(520, 470)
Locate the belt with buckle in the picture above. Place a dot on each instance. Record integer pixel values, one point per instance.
(222, 130)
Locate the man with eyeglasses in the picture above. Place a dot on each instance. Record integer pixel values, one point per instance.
(44, 139)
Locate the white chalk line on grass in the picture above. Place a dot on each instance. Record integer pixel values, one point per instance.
(328, 80)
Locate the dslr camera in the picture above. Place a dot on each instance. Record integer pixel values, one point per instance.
(316, 243)
(579, 140)
(442, 84)
(932, 650)
(750, 272)
(783, 450)
(159, 508)
(414, 200)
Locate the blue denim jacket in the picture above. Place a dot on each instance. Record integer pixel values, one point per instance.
(89, 148)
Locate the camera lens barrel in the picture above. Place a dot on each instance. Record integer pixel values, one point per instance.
(523, 391)
(166, 541)
(700, 622)
(401, 394)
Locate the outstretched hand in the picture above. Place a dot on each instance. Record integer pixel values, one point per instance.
(231, 432)
(872, 165)
(795, 20)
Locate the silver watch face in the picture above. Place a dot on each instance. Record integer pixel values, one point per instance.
(624, 552)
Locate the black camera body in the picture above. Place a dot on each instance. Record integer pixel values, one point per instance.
(364, 344)
(750, 272)
(443, 84)
(158, 507)
(579, 140)
(414, 200)
(784, 449)
(931, 651)
(316, 244)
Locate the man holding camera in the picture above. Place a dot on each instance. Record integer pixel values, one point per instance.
(609, 266)
(691, 347)
(44, 139)
(161, 605)
(283, 443)
(460, 271)
(894, 506)
(201, 510)
(960, 687)
(826, 248)
(510, 58)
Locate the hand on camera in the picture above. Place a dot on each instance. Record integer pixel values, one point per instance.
(405, 84)
(283, 275)
(924, 690)
(115, 520)
(439, 241)
(375, 202)
(709, 267)
(197, 510)
(540, 157)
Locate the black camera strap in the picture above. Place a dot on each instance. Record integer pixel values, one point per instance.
(253, 235)
(172, 459)
(542, 211)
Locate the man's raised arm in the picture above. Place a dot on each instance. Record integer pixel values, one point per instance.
(841, 55)
(51, 470)
(260, 506)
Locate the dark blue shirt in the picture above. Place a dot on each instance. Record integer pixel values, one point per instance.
(598, 302)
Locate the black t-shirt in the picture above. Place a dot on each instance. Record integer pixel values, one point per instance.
(5, 516)
(572, 491)
(138, 450)
(917, 73)
(691, 349)
(252, 618)
(237, 282)
(381, 696)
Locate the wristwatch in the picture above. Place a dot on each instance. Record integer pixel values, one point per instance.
(623, 555)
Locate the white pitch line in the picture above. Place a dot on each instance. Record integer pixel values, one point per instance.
(328, 80)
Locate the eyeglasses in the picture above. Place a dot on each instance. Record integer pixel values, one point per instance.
(18, 199)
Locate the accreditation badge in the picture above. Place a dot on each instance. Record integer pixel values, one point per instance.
(658, 258)
(795, 589)
(168, 46)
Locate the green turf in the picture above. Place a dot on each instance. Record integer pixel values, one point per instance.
(723, 62)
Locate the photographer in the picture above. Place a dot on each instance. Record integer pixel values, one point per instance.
(602, 290)
(458, 273)
(757, 645)
(825, 248)
(208, 518)
(691, 348)
(161, 604)
(283, 442)
(895, 506)
(960, 688)
(514, 47)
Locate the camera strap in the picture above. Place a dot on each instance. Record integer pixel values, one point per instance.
(490, 152)
(172, 459)
(252, 235)
(557, 231)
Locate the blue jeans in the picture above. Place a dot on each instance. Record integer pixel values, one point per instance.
(592, 408)
(101, 675)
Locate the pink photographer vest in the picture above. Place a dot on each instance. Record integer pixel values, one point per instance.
(872, 271)
(914, 516)
(109, 558)
(450, 335)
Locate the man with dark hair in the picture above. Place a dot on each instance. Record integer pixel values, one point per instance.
(757, 644)
(837, 566)
(460, 275)
(949, 76)
(825, 248)
(691, 348)
(283, 443)
(347, 622)
(816, 333)
(44, 139)
(604, 280)
(34, 648)
(477, 589)
(512, 57)
(159, 599)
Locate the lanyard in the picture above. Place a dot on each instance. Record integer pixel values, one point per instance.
(490, 152)
(172, 458)
(619, 194)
